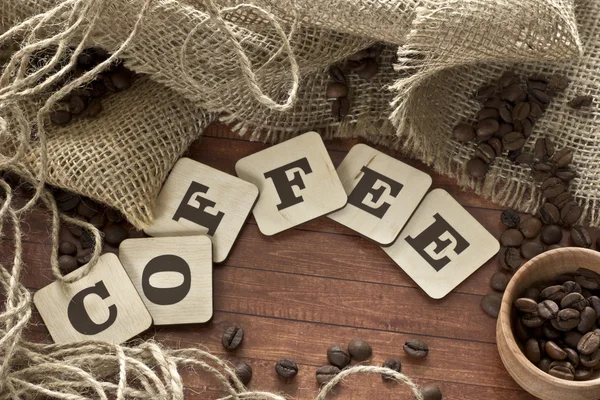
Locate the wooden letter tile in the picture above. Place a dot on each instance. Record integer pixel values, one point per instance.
(442, 245)
(199, 200)
(173, 275)
(296, 180)
(103, 305)
(382, 193)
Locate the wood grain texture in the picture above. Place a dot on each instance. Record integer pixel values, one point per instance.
(319, 284)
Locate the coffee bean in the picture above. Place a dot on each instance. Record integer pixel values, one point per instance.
(521, 111)
(98, 221)
(526, 305)
(540, 95)
(499, 281)
(67, 248)
(375, 50)
(580, 101)
(552, 187)
(574, 300)
(555, 352)
(510, 258)
(431, 392)
(570, 213)
(590, 360)
(496, 145)
(542, 171)
(486, 113)
(67, 202)
(572, 338)
(486, 128)
(360, 350)
(563, 157)
(513, 141)
(87, 208)
(527, 127)
(84, 256)
(338, 356)
(547, 309)
(114, 215)
(510, 218)
(485, 92)
(581, 237)
(587, 279)
(485, 153)
(595, 304)
(60, 117)
(108, 83)
(463, 132)
(340, 108)
(286, 369)
(536, 111)
(337, 75)
(531, 249)
(511, 238)
(566, 175)
(558, 83)
(530, 226)
(326, 373)
(544, 148)
(533, 320)
(525, 159)
(587, 321)
(572, 356)
(476, 168)
(503, 130)
(562, 373)
(115, 234)
(232, 338)
(370, 70)
(544, 364)
(93, 109)
(589, 343)
(571, 286)
(532, 350)
(583, 374)
(120, 80)
(391, 364)
(512, 155)
(490, 303)
(494, 102)
(555, 293)
(508, 78)
(550, 214)
(244, 372)
(551, 234)
(550, 332)
(417, 348)
(76, 105)
(87, 239)
(67, 264)
(566, 320)
(505, 114)
(513, 93)
(336, 90)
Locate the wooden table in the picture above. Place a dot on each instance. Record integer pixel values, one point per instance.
(299, 292)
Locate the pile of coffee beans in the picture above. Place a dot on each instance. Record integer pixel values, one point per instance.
(557, 325)
(86, 102)
(364, 64)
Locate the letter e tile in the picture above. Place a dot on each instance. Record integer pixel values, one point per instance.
(103, 305)
(173, 275)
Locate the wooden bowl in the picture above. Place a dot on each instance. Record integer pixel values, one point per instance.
(543, 267)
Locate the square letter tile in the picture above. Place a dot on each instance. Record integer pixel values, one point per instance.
(382, 193)
(199, 200)
(103, 305)
(296, 180)
(172, 275)
(442, 245)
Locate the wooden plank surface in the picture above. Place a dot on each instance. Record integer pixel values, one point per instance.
(323, 279)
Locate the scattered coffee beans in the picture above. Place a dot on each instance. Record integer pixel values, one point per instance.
(338, 356)
(431, 392)
(286, 369)
(490, 303)
(326, 373)
(580, 102)
(391, 364)
(67, 248)
(244, 372)
(67, 264)
(499, 281)
(232, 338)
(581, 237)
(360, 350)
(416, 348)
(530, 226)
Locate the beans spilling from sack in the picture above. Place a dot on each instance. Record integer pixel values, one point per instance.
(557, 325)
(364, 64)
(338, 356)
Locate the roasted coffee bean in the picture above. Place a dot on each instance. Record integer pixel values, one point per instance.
(550, 332)
(60, 117)
(84, 256)
(244, 372)
(463, 132)
(521, 111)
(564, 364)
(76, 105)
(67, 264)
(587, 279)
(513, 93)
(544, 364)
(510, 258)
(67, 202)
(555, 293)
(359, 55)
(574, 300)
(338, 356)
(360, 350)
(431, 392)
(337, 75)
(526, 305)
(544, 148)
(120, 80)
(115, 234)
(547, 309)
(530, 226)
(486, 128)
(536, 111)
(532, 320)
(114, 215)
(589, 343)
(551, 234)
(370, 70)
(340, 108)
(513, 154)
(503, 130)
(496, 145)
(581, 237)
(505, 114)
(393, 365)
(485, 92)
(108, 83)
(494, 102)
(583, 374)
(542, 171)
(418, 348)
(521, 331)
(562, 373)
(566, 320)
(570, 213)
(531, 249)
(525, 159)
(590, 360)
(558, 83)
(571, 286)
(550, 214)
(336, 90)
(566, 175)
(232, 338)
(552, 187)
(533, 84)
(511, 238)
(532, 350)
(587, 320)
(87, 239)
(326, 373)
(563, 157)
(499, 281)
(286, 369)
(527, 127)
(572, 356)
(540, 95)
(580, 101)
(513, 141)
(572, 338)
(98, 88)
(87, 208)
(476, 168)
(555, 352)
(98, 220)
(507, 78)
(595, 304)
(93, 109)
(375, 50)
(532, 293)
(486, 113)
(485, 153)
(67, 248)
(510, 218)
